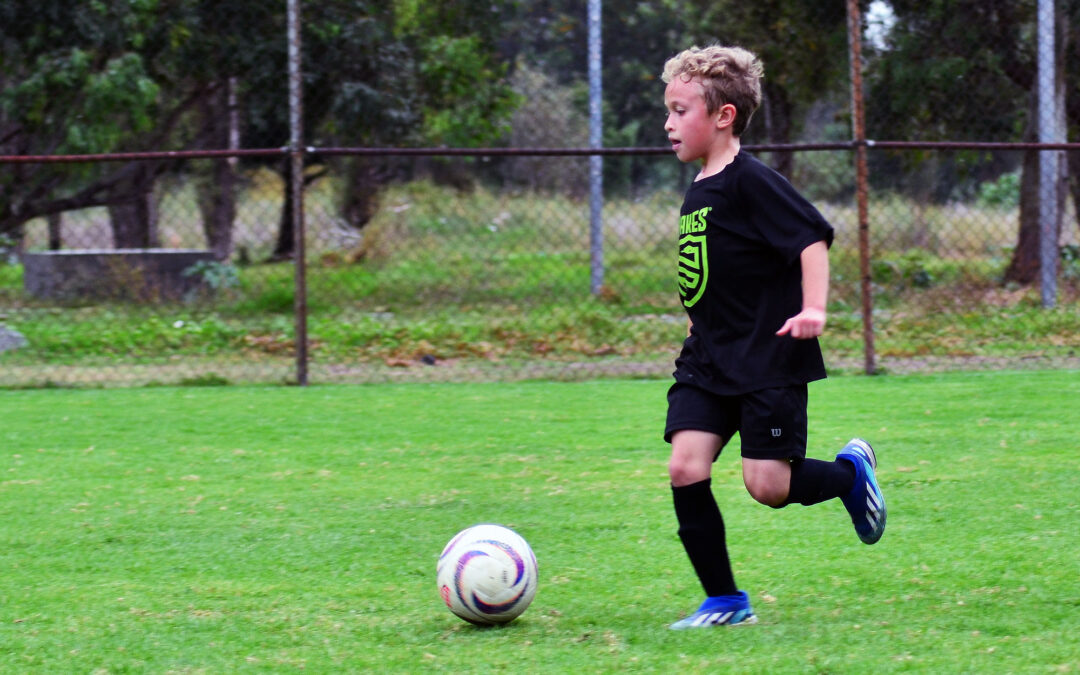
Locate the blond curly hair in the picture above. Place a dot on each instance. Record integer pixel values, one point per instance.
(727, 74)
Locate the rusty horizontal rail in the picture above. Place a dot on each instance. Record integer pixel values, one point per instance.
(518, 152)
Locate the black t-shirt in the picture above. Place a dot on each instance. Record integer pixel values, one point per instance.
(741, 233)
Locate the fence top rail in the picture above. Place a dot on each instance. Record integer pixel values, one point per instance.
(664, 150)
(520, 152)
(142, 156)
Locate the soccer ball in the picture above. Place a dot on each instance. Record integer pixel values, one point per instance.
(487, 574)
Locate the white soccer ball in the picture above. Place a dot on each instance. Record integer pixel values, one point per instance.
(487, 574)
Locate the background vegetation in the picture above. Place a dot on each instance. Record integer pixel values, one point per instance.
(123, 76)
(393, 305)
(481, 263)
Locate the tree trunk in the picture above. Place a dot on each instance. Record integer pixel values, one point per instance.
(284, 248)
(55, 224)
(1069, 109)
(363, 183)
(217, 191)
(1024, 266)
(1026, 263)
(778, 127)
(135, 218)
(218, 206)
(1074, 183)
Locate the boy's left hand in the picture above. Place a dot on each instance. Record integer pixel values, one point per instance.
(807, 324)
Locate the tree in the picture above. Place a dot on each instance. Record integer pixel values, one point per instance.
(384, 73)
(1069, 92)
(804, 46)
(549, 42)
(104, 77)
(802, 42)
(954, 70)
(216, 184)
(130, 75)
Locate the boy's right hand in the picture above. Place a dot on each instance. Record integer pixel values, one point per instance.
(809, 323)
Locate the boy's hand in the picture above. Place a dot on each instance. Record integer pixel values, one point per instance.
(807, 324)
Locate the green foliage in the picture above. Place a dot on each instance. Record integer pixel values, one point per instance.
(81, 72)
(142, 75)
(466, 100)
(911, 268)
(1003, 192)
(236, 529)
(116, 102)
(1070, 262)
(803, 44)
(273, 295)
(207, 380)
(459, 81)
(130, 334)
(8, 255)
(215, 274)
(934, 49)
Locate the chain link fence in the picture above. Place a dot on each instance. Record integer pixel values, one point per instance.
(146, 229)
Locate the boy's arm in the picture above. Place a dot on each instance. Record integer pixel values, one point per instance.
(810, 322)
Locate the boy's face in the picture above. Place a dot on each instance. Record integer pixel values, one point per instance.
(692, 130)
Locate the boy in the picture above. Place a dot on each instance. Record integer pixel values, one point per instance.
(753, 278)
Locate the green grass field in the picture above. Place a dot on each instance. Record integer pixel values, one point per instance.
(239, 529)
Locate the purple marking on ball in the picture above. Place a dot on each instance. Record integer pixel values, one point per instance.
(458, 573)
(508, 550)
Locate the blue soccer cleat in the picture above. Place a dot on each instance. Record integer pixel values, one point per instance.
(865, 502)
(721, 610)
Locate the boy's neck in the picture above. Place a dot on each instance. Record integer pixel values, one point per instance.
(723, 154)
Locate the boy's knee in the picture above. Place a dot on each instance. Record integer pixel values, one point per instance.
(692, 454)
(768, 493)
(682, 472)
(768, 482)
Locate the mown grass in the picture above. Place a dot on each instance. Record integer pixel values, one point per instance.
(245, 529)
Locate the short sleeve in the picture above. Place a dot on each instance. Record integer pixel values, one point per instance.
(782, 216)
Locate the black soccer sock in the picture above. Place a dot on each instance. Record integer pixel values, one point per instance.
(814, 481)
(701, 529)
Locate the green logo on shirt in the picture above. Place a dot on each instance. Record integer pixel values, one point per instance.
(693, 268)
(692, 223)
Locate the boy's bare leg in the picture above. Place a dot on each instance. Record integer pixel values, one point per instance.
(701, 527)
(692, 455)
(767, 480)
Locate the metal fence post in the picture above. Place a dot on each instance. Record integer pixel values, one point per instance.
(596, 162)
(1048, 159)
(861, 183)
(296, 157)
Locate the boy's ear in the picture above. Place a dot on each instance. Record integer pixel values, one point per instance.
(725, 117)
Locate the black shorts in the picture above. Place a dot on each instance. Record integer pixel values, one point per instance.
(770, 422)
